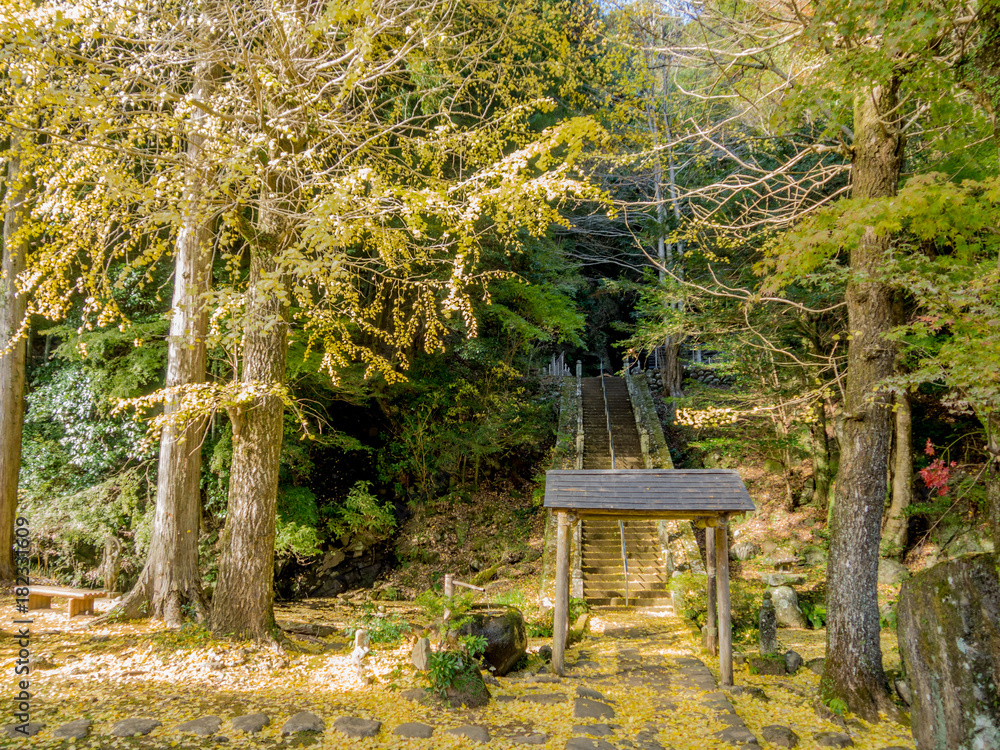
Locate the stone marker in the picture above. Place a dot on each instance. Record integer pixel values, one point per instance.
(133, 727)
(353, 726)
(585, 708)
(251, 722)
(779, 735)
(205, 726)
(949, 639)
(303, 721)
(768, 627)
(73, 730)
(421, 654)
(414, 730)
(786, 607)
(472, 732)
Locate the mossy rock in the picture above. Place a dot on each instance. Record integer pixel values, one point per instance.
(773, 665)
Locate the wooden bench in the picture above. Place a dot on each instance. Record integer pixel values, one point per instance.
(81, 601)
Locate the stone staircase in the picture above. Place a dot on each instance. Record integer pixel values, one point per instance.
(600, 543)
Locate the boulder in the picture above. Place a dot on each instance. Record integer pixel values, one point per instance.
(356, 727)
(786, 607)
(792, 662)
(471, 732)
(779, 735)
(891, 572)
(303, 721)
(814, 556)
(506, 638)
(768, 665)
(949, 639)
(468, 689)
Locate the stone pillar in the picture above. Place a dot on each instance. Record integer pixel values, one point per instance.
(768, 627)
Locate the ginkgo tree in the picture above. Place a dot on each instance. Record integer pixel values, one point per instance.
(358, 155)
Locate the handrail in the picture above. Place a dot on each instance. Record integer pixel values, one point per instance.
(607, 417)
(611, 445)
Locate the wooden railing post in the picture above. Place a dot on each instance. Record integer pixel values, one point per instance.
(711, 623)
(560, 621)
(725, 611)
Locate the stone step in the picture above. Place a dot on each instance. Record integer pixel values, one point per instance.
(606, 601)
(608, 555)
(618, 581)
(604, 604)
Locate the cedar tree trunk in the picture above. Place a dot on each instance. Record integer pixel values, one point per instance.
(243, 603)
(820, 457)
(170, 582)
(12, 377)
(894, 533)
(853, 670)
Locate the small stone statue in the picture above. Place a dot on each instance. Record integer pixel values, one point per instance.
(360, 651)
(768, 627)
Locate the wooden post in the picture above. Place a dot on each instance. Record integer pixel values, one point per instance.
(449, 591)
(712, 623)
(725, 612)
(560, 620)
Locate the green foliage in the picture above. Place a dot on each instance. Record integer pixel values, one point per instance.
(837, 705)
(745, 597)
(815, 614)
(445, 667)
(296, 533)
(69, 531)
(362, 512)
(381, 628)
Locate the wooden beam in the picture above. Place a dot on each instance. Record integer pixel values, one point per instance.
(711, 624)
(725, 609)
(560, 621)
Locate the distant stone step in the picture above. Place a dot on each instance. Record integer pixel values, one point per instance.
(616, 579)
(619, 601)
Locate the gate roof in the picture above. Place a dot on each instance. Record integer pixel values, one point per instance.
(649, 493)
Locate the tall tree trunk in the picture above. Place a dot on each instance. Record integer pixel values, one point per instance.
(170, 582)
(853, 670)
(12, 349)
(894, 532)
(820, 457)
(244, 596)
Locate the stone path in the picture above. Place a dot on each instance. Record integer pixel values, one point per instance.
(630, 688)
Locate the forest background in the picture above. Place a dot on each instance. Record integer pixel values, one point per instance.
(274, 276)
